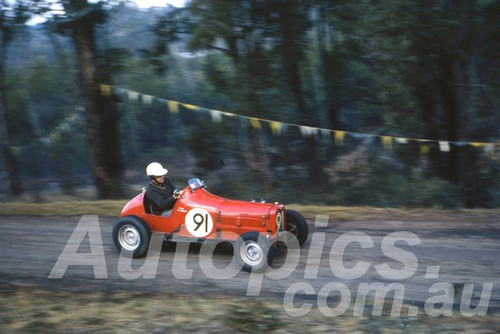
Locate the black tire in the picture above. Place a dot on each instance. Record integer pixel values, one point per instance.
(131, 234)
(253, 252)
(297, 225)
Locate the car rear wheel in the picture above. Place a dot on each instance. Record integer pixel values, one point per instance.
(131, 235)
(297, 225)
(253, 252)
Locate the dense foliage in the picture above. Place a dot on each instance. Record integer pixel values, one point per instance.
(426, 69)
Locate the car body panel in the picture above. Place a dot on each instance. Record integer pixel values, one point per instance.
(198, 214)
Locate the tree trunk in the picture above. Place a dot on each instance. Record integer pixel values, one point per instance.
(258, 160)
(9, 160)
(255, 152)
(100, 115)
(454, 115)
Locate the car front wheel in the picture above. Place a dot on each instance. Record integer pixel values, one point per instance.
(253, 252)
(131, 235)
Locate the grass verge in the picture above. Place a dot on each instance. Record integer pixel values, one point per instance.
(112, 208)
(28, 310)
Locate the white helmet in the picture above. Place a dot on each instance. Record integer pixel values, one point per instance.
(155, 169)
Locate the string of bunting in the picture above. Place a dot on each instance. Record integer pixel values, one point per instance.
(277, 127)
(66, 125)
(56, 135)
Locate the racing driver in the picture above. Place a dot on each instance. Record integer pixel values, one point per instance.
(160, 192)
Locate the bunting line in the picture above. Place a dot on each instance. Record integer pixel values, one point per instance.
(66, 125)
(277, 127)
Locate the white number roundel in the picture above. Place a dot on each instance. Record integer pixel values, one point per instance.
(199, 222)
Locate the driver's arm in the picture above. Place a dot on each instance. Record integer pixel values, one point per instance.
(161, 203)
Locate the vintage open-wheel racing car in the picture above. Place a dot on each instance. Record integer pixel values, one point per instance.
(253, 228)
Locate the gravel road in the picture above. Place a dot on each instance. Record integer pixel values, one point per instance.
(432, 266)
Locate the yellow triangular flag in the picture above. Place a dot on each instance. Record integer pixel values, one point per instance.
(190, 106)
(276, 127)
(386, 142)
(173, 107)
(339, 136)
(424, 149)
(105, 90)
(254, 122)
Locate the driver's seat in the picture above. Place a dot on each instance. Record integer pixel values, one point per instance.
(148, 208)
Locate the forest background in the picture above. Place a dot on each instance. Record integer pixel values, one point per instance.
(382, 103)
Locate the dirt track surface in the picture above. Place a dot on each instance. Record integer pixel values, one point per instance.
(455, 253)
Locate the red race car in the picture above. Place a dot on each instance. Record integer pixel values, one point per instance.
(253, 228)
